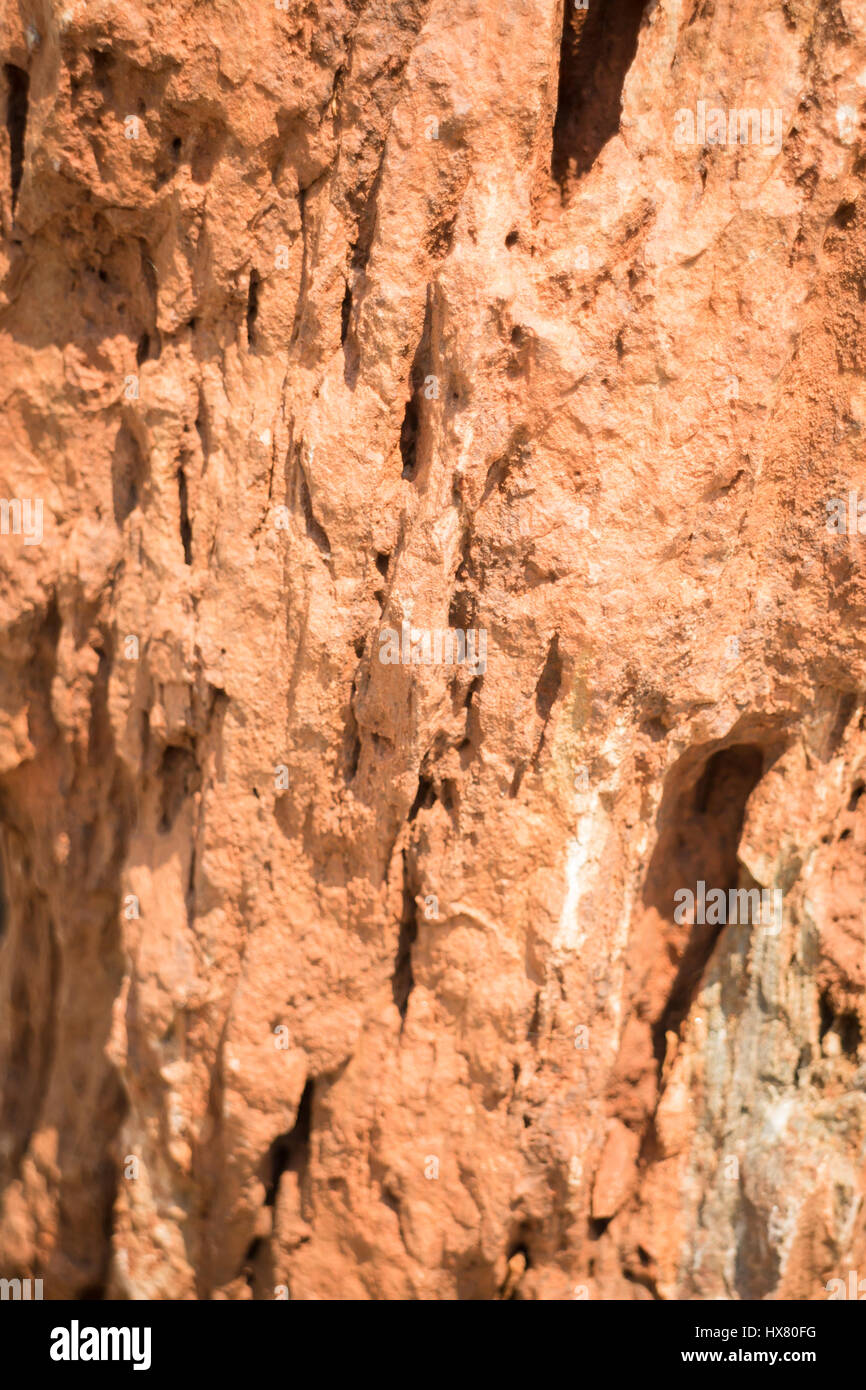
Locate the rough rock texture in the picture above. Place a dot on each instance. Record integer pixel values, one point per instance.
(322, 977)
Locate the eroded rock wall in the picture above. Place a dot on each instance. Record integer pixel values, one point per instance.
(334, 977)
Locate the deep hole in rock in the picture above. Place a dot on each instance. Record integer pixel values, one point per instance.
(845, 215)
(598, 48)
(17, 99)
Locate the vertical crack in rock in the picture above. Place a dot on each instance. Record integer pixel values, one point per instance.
(411, 426)
(345, 314)
(17, 99)
(252, 308)
(201, 425)
(409, 436)
(598, 48)
(403, 981)
(185, 526)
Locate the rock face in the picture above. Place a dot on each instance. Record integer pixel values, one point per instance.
(341, 957)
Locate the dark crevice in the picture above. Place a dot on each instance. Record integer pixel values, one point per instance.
(403, 981)
(202, 430)
(353, 754)
(17, 99)
(424, 797)
(102, 63)
(185, 527)
(845, 215)
(252, 308)
(411, 427)
(290, 1152)
(189, 896)
(351, 742)
(598, 48)
(518, 1260)
(845, 1024)
(179, 778)
(128, 474)
(345, 315)
(409, 439)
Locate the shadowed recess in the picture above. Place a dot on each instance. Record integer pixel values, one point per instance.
(598, 48)
(700, 841)
(290, 1152)
(17, 96)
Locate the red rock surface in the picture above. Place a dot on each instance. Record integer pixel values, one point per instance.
(323, 977)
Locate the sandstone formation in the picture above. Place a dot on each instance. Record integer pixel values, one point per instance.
(324, 976)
